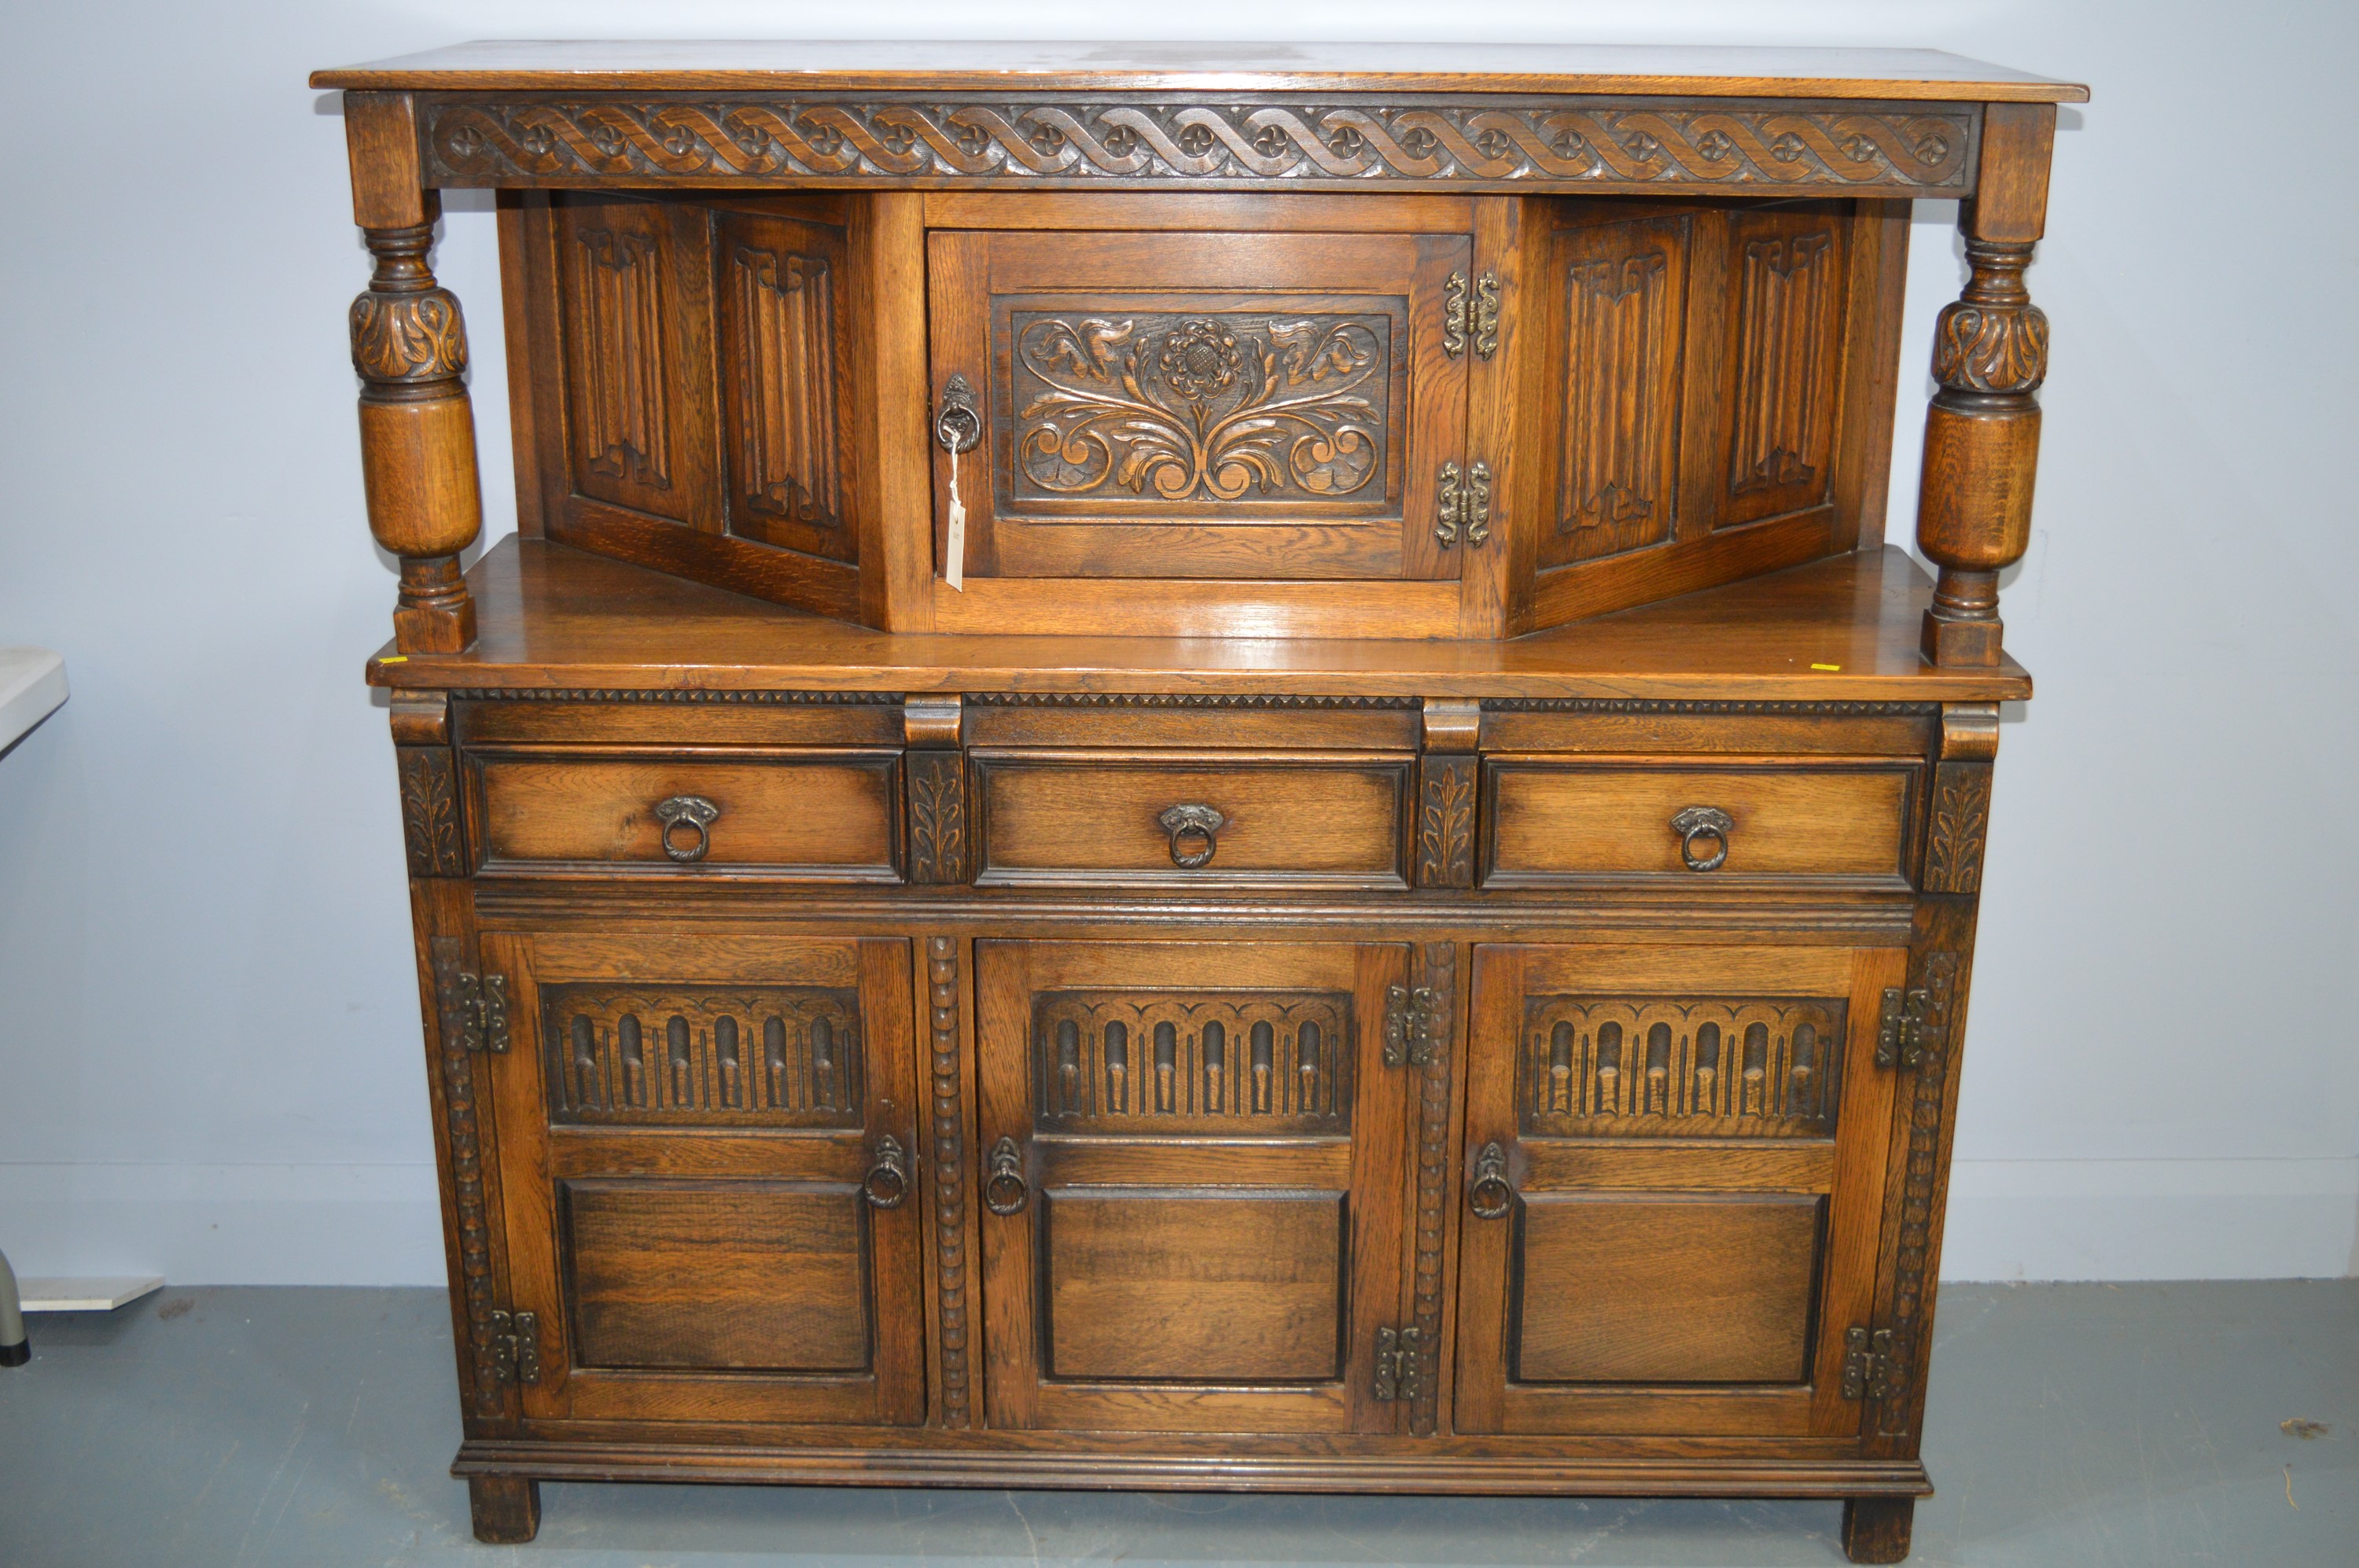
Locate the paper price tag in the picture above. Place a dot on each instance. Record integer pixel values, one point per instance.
(954, 551)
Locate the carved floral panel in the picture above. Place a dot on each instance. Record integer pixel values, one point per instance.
(1213, 409)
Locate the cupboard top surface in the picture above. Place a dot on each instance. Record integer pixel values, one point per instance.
(511, 65)
(554, 617)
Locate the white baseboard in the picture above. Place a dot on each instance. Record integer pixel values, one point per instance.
(378, 1225)
(2152, 1219)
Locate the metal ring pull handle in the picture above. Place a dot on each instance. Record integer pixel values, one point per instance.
(888, 1185)
(1705, 823)
(1189, 821)
(1491, 1196)
(1005, 1191)
(958, 423)
(694, 812)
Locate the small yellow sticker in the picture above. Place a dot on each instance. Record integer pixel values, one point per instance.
(403, 659)
(1826, 667)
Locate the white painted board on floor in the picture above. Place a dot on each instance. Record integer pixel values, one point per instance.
(99, 1295)
(32, 687)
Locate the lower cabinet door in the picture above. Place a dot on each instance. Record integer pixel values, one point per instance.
(708, 1170)
(1194, 1161)
(1674, 1174)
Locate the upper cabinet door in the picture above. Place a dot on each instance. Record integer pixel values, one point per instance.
(1247, 406)
(1675, 1164)
(1194, 1163)
(707, 1163)
(690, 392)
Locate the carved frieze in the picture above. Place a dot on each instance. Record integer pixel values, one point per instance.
(716, 1056)
(1208, 408)
(1660, 1066)
(1185, 1060)
(1149, 140)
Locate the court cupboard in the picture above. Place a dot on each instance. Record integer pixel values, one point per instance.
(1199, 767)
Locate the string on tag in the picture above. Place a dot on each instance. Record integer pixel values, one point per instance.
(954, 550)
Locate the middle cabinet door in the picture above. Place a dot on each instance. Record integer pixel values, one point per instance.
(1194, 1159)
(1242, 406)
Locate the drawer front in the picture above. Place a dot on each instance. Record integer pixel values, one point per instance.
(1174, 820)
(828, 817)
(1552, 821)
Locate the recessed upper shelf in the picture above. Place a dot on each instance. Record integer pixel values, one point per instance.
(764, 65)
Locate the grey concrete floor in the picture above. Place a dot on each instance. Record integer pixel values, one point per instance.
(2080, 1424)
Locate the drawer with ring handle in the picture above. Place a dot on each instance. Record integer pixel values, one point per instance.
(1553, 822)
(816, 815)
(1178, 819)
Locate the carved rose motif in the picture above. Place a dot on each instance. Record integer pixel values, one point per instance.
(1200, 405)
(1200, 359)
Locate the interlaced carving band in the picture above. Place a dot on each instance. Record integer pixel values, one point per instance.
(1589, 143)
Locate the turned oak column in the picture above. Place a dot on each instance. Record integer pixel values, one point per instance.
(1990, 353)
(410, 345)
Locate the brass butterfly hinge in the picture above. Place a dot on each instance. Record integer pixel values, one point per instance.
(1461, 504)
(1473, 316)
(1913, 1026)
(1400, 1364)
(516, 1346)
(484, 1011)
(1868, 1363)
(1412, 1025)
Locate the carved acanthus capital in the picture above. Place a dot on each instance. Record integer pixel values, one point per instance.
(1991, 348)
(1993, 339)
(406, 338)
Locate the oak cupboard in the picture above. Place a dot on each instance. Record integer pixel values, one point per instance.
(1198, 772)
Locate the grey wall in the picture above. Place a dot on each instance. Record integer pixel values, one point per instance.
(208, 1054)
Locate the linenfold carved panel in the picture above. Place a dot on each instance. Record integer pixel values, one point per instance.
(622, 339)
(1787, 336)
(782, 385)
(1213, 407)
(1663, 1066)
(1133, 1063)
(721, 1056)
(1146, 140)
(1624, 295)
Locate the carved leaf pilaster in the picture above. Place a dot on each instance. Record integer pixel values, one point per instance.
(949, 1178)
(1445, 825)
(1927, 1111)
(430, 811)
(1953, 850)
(1440, 963)
(486, 1396)
(937, 816)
